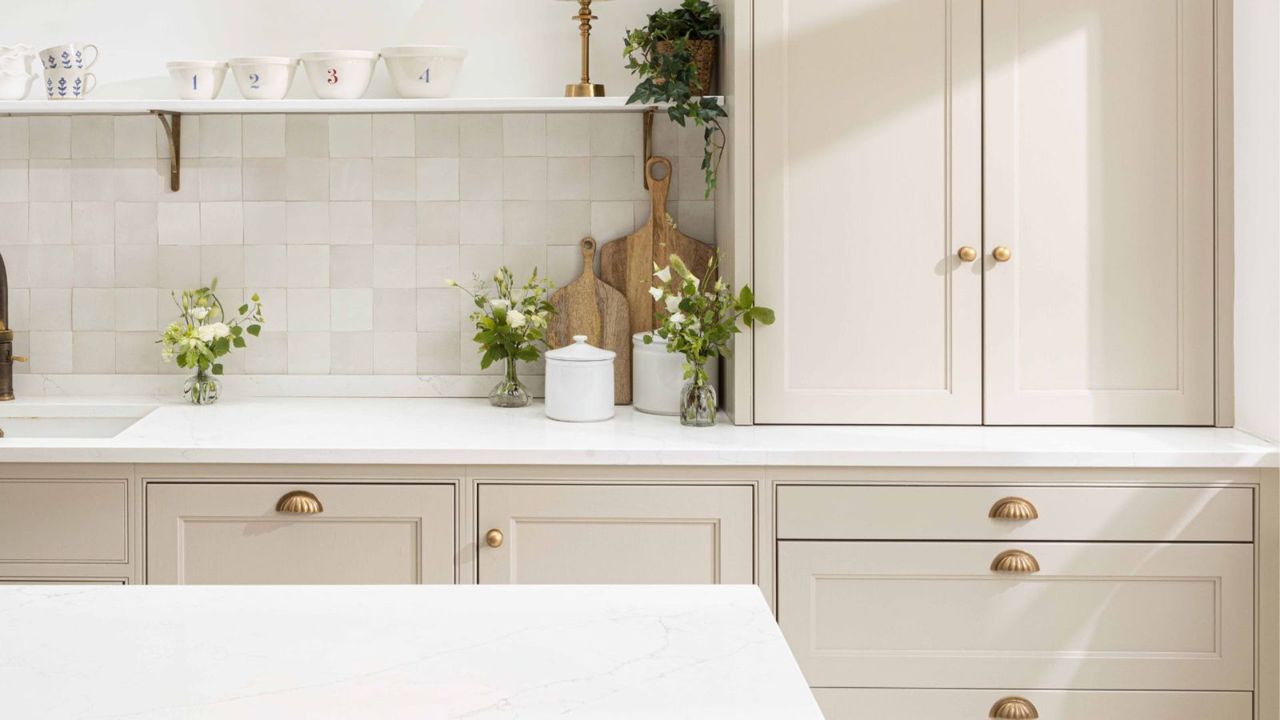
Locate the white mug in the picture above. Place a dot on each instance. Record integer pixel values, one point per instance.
(72, 56)
(62, 84)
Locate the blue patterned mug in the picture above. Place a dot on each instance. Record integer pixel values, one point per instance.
(66, 70)
(72, 56)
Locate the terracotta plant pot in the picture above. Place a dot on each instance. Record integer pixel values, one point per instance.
(705, 53)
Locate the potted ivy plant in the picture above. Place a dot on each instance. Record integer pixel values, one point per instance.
(674, 56)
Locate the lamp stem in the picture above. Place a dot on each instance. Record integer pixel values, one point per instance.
(584, 87)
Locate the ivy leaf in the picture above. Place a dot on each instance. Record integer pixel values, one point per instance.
(217, 368)
(254, 330)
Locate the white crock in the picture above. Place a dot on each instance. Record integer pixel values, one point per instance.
(657, 376)
(579, 382)
(423, 71)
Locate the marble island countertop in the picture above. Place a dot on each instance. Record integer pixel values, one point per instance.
(470, 432)
(423, 652)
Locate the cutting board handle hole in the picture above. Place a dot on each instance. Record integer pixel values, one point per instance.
(651, 169)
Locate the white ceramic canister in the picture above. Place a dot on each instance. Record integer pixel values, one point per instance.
(263, 78)
(657, 376)
(579, 382)
(197, 79)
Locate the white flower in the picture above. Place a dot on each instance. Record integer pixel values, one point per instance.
(673, 303)
(677, 319)
(199, 313)
(664, 274)
(656, 292)
(209, 333)
(515, 319)
(500, 303)
(719, 285)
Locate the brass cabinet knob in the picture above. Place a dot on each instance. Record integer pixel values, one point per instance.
(1013, 508)
(300, 502)
(1002, 254)
(967, 254)
(493, 538)
(1013, 708)
(1015, 562)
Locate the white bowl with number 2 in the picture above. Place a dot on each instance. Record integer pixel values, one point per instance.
(263, 78)
(340, 74)
(424, 71)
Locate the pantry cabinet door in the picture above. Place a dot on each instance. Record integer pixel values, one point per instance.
(616, 534)
(1099, 180)
(867, 185)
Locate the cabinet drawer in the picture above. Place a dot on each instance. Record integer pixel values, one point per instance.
(617, 534)
(232, 534)
(53, 521)
(844, 704)
(1120, 514)
(1095, 616)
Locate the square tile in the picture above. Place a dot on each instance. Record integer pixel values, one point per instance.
(617, 134)
(480, 136)
(309, 353)
(136, 265)
(264, 178)
(612, 178)
(524, 135)
(569, 135)
(307, 223)
(267, 354)
(524, 223)
(395, 178)
(350, 266)
(48, 223)
(265, 223)
(437, 264)
(612, 219)
(395, 223)
(393, 136)
(135, 223)
(568, 178)
(480, 223)
(350, 136)
(93, 179)
(395, 309)
(220, 136)
(135, 136)
(351, 310)
(351, 179)
(224, 262)
(395, 353)
(94, 266)
(92, 136)
(524, 259)
(178, 267)
(50, 137)
(266, 266)
(221, 223)
(438, 353)
(437, 136)
(137, 353)
(438, 309)
(308, 267)
(306, 179)
(438, 179)
(351, 353)
(49, 309)
(263, 136)
(221, 179)
(13, 181)
(475, 261)
(306, 136)
(570, 221)
(350, 223)
(51, 352)
(438, 223)
(93, 223)
(395, 266)
(524, 178)
(49, 180)
(93, 309)
(15, 143)
(14, 224)
(698, 219)
(93, 352)
(309, 309)
(135, 309)
(135, 180)
(178, 223)
(480, 179)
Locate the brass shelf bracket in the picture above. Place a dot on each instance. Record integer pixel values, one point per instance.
(648, 140)
(172, 123)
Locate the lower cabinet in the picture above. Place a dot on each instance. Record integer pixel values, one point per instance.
(279, 534)
(848, 704)
(613, 534)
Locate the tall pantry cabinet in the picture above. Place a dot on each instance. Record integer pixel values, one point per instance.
(997, 211)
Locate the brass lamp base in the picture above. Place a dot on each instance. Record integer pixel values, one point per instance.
(584, 90)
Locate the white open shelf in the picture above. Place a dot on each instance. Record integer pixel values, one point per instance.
(364, 105)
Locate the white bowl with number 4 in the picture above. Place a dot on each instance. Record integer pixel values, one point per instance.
(263, 78)
(340, 74)
(424, 71)
(197, 79)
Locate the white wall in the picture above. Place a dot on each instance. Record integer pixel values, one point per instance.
(518, 47)
(1257, 217)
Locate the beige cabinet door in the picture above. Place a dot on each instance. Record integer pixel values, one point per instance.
(616, 534)
(1095, 616)
(1099, 181)
(232, 534)
(867, 185)
(844, 704)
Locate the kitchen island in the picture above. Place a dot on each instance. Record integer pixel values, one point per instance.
(396, 652)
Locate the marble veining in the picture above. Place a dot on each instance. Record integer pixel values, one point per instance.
(422, 652)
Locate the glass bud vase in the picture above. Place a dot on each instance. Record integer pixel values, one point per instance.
(510, 392)
(698, 404)
(202, 388)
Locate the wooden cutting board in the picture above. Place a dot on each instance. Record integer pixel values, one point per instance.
(627, 264)
(589, 307)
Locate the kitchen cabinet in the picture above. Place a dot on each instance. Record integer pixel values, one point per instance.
(993, 211)
(608, 534)
(250, 533)
(847, 704)
(72, 519)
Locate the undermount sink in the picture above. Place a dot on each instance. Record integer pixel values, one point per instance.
(70, 421)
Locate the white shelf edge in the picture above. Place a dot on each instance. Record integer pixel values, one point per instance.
(364, 105)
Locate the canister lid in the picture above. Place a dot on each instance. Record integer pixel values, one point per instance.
(580, 351)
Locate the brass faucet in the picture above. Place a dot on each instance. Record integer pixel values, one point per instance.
(7, 358)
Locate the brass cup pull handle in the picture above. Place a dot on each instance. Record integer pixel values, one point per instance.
(21, 358)
(493, 538)
(1013, 508)
(1013, 708)
(1002, 254)
(1015, 562)
(967, 254)
(299, 502)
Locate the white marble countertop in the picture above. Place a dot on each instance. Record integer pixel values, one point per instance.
(470, 432)
(421, 652)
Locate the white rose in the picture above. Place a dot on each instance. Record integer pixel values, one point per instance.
(656, 293)
(515, 319)
(500, 303)
(205, 333)
(209, 333)
(677, 319)
(199, 313)
(664, 274)
(673, 304)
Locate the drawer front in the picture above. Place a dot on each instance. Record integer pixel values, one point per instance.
(54, 521)
(232, 534)
(617, 534)
(1118, 514)
(844, 704)
(1095, 616)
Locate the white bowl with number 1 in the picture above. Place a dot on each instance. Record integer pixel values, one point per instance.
(340, 74)
(424, 71)
(263, 78)
(197, 79)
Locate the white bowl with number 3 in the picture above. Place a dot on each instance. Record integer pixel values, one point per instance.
(197, 79)
(263, 78)
(340, 74)
(424, 71)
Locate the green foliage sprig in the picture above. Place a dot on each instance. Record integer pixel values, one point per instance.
(672, 77)
(698, 318)
(511, 322)
(203, 332)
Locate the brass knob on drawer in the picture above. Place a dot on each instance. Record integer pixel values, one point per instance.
(1015, 562)
(1013, 708)
(1002, 254)
(493, 538)
(1013, 508)
(967, 254)
(300, 502)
